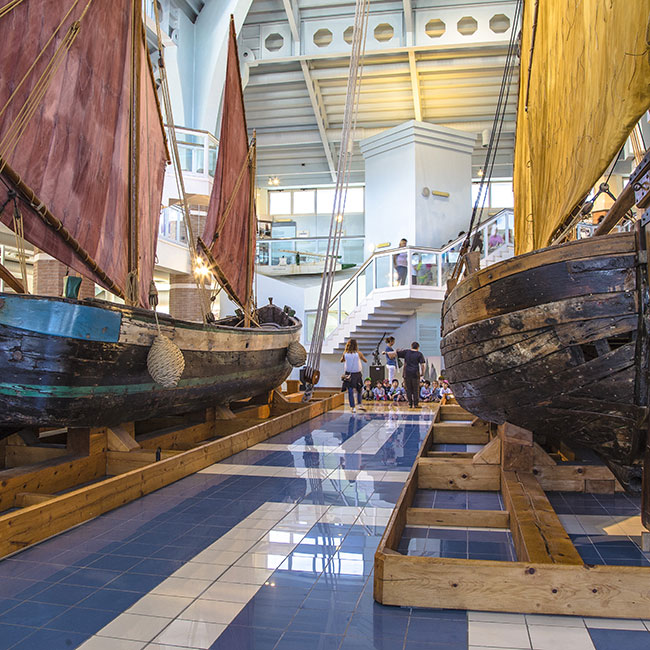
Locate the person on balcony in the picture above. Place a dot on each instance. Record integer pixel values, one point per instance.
(401, 264)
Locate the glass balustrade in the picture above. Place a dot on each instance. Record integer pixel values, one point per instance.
(424, 267)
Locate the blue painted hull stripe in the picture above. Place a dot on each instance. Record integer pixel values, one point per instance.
(58, 318)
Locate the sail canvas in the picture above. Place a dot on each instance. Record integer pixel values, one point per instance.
(229, 233)
(73, 151)
(584, 84)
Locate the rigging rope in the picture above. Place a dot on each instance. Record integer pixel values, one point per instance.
(180, 183)
(495, 136)
(311, 371)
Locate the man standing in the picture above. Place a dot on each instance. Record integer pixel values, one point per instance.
(401, 263)
(414, 364)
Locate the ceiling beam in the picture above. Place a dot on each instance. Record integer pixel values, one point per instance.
(415, 87)
(315, 97)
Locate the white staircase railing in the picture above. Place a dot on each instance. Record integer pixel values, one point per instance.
(428, 267)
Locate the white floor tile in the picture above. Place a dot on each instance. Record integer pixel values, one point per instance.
(246, 575)
(105, 643)
(615, 624)
(230, 592)
(497, 617)
(493, 647)
(216, 556)
(560, 621)
(134, 627)
(548, 637)
(159, 605)
(261, 561)
(189, 587)
(212, 611)
(503, 635)
(193, 634)
(247, 534)
(201, 571)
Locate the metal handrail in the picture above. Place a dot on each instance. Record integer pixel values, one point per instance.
(393, 251)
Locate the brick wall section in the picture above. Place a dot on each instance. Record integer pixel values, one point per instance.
(48, 275)
(184, 300)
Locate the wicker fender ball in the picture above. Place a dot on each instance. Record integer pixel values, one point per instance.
(165, 362)
(296, 354)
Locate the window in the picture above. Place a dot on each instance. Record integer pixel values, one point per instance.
(280, 202)
(325, 201)
(501, 195)
(304, 202)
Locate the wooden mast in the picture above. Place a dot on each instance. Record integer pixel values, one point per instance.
(132, 287)
(249, 308)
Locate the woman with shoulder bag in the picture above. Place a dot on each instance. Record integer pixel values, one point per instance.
(351, 377)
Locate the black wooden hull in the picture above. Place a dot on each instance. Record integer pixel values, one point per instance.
(50, 378)
(551, 342)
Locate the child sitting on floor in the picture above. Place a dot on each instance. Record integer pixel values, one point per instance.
(379, 392)
(396, 392)
(366, 393)
(426, 394)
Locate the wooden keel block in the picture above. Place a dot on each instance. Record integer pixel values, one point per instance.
(517, 451)
(490, 454)
(119, 439)
(462, 434)
(223, 413)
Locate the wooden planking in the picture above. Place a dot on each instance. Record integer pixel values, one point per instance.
(454, 412)
(450, 454)
(465, 434)
(562, 589)
(621, 244)
(456, 474)
(18, 455)
(35, 523)
(449, 517)
(517, 450)
(537, 532)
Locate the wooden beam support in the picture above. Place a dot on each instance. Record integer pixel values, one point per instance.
(561, 589)
(456, 474)
(37, 522)
(24, 499)
(21, 456)
(463, 434)
(449, 517)
(574, 478)
(537, 532)
(119, 439)
(516, 448)
(490, 454)
(10, 279)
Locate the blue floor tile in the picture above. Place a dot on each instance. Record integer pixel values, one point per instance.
(61, 594)
(247, 638)
(51, 640)
(111, 600)
(304, 640)
(82, 620)
(12, 634)
(32, 614)
(446, 631)
(620, 639)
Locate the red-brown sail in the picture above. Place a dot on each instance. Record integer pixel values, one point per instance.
(229, 233)
(74, 150)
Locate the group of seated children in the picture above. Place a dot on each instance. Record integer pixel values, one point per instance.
(387, 391)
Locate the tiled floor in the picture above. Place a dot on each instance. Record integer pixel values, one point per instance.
(273, 549)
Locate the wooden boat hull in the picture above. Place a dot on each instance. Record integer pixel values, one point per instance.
(84, 363)
(551, 341)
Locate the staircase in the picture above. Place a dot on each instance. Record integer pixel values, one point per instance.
(383, 310)
(373, 302)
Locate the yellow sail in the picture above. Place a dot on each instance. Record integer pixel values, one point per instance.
(582, 90)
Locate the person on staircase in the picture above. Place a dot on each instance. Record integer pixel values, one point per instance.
(352, 381)
(414, 366)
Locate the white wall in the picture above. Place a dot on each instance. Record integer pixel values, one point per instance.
(401, 162)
